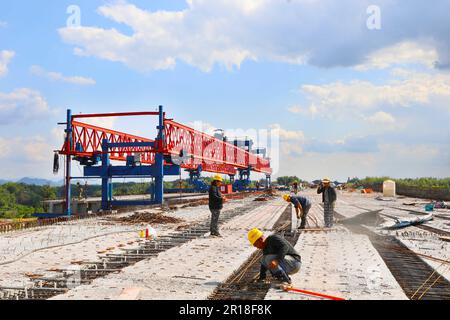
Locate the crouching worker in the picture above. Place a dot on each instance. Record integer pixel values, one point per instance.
(279, 257)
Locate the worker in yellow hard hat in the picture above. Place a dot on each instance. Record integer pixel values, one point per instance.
(329, 198)
(302, 206)
(279, 256)
(216, 201)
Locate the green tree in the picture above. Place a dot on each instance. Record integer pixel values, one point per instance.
(288, 180)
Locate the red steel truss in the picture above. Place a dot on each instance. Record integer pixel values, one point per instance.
(212, 154)
(208, 151)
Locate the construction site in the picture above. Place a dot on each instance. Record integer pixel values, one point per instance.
(224, 158)
(379, 246)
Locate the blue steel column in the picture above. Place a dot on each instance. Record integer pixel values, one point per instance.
(159, 160)
(68, 163)
(106, 189)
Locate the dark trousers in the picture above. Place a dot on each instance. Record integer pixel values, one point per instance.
(215, 214)
(305, 214)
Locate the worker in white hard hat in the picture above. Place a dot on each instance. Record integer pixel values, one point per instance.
(329, 198)
(216, 201)
(279, 256)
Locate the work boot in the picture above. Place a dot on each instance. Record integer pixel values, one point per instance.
(216, 235)
(283, 277)
(285, 280)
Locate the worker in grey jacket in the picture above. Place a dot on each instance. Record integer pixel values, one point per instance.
(329, 198)
(216, 201)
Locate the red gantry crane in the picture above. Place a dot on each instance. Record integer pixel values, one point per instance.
(176, 147)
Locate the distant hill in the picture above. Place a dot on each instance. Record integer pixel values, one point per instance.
(34, 181)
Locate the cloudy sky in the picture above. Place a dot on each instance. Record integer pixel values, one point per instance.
(355, 87)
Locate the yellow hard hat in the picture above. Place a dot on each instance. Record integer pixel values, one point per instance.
(218, 178)
(254, 235)
(326, 180)
(286, 197)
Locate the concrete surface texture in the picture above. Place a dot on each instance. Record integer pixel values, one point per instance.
(421, 241)
(337, 262)
(39, 251)
(191, 271)
(340, 264)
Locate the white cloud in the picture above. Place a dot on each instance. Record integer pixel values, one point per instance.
(339, 100)
(56, 76)
(58, 134)
(3, 24)
(23, 105)
(5, 58)
(400, 54)
(107, 123)
(290, 141)
(417, 152)
(5, 147)
(311, 111)
(31, 148)
(289, 149)
(38, 149)
(202, 126)
(337, 166)
(423, 160)
(159, 39)
(228, 32)
(381, 118)
(288, 135)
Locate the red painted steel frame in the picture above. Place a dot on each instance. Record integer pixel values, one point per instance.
(207, 150)
(90, 137)
(212, 154)
(120, 114)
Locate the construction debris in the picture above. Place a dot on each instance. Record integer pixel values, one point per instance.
(33, 276)
(403, 223)
(149, 217)
(195, 204)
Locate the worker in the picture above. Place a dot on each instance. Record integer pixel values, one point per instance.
(85, 191)
(295, 187)
(329, 198)
(216, 201)
(79, 191)
(279, 256)
(302, 206)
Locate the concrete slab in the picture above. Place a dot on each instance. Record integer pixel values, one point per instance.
(341, 264)
(191, 271)
(36, 251)
(335, 262)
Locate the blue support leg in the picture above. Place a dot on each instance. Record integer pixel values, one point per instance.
(268, 181)
(110, 190)
(159, 161)
(159, 179)
(68, 179)
(105, 176)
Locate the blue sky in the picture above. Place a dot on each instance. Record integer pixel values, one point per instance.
(348, 100)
